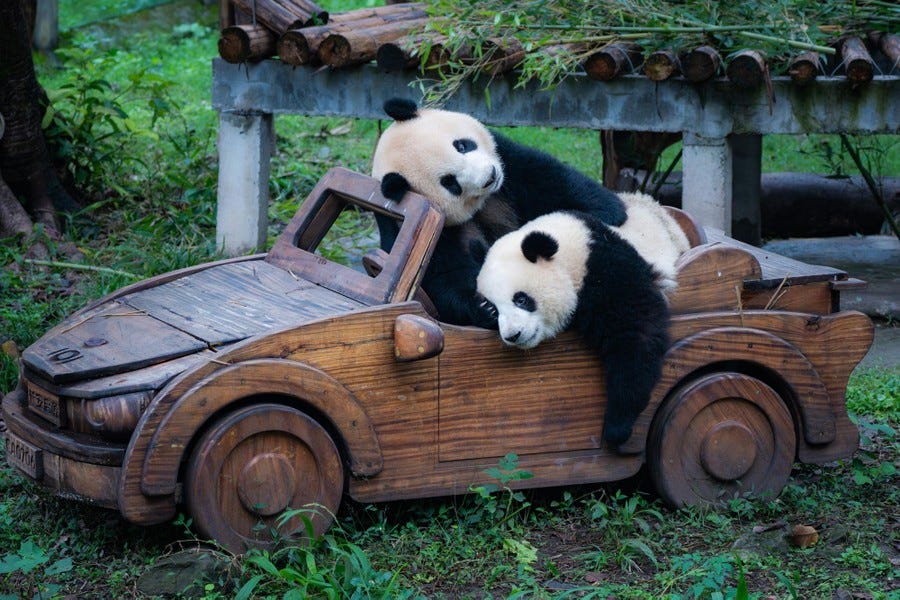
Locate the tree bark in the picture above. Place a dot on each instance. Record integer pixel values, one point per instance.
(25, 163)
(300, 46)
(242, 43)
(360, 45)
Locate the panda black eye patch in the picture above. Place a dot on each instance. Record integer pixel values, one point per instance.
(452, 185)
(524, 301)
(464, 145)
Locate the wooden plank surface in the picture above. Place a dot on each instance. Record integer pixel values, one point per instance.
(116, 339)
(234, 301)
(776, 267)
(549, 399)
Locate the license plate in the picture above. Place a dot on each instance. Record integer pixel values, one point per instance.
(44, 404)
(24, 456)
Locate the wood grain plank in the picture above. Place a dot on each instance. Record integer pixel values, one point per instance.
(107, 341)
(235, 301)
(776, 267)
(711, 277)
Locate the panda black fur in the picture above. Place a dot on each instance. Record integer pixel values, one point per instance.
(568, 269)
(486, 184)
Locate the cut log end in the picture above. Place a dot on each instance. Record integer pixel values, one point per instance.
(242, 43)
(293, 48)
(335, 51)
(612, 61)
(747, 69)
(661, 65)
(804, 67)
(858, 65)
(701, 64)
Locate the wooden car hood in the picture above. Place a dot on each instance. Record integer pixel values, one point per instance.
(210, 308)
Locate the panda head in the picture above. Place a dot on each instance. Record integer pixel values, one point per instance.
(448, 157)
(533, 276)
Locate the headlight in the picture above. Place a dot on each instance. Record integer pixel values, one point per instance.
(114, 417)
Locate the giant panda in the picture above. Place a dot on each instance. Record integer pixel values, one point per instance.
(486, 184)
(569, 269)
(655, 234)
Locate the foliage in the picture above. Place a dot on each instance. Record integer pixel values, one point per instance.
(875, 392)
(87, 125)
(557, 36)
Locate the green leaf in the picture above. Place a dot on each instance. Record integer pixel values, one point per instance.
(247, 589)
(63, 565)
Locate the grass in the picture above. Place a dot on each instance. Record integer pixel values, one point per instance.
(150, 184)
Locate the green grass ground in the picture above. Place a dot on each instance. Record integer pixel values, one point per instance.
(151, 208)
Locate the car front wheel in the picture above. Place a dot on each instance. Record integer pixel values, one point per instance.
(254, 463)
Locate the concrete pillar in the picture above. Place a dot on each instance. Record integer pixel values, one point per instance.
(746, 187)
(245, 147)
(706, 185)
(46, 25)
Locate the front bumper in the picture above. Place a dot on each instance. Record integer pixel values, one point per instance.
(72, 465)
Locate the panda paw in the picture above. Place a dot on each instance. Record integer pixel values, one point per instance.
(616, 434)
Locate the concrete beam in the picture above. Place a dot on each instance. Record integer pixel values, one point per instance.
(713, 109)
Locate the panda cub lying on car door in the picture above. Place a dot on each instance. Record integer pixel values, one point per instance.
(487, 186)
(568, 269)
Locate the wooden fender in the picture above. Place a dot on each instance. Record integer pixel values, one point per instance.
(810, 402)
(711, 277)
(150, 470)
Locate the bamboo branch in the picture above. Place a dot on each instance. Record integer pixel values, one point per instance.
(870, 182)
(79, 267)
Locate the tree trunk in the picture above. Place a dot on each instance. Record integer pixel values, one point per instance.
(24, 158)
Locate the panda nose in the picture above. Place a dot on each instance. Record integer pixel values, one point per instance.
(512, 338)
(492, 178)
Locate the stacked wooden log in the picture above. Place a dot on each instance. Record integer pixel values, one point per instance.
(397, 36)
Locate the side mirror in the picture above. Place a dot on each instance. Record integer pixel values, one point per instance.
(416, 338)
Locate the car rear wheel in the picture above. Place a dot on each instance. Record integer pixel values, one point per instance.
(720, 436)
(253, 464)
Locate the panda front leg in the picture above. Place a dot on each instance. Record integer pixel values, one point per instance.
(633, 363)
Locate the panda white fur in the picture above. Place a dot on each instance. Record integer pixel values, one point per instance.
(486, 185)
(568, 269)
(655, 235)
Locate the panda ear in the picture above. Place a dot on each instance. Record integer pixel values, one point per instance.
(393, 186)
(401, 109)
(538, 244)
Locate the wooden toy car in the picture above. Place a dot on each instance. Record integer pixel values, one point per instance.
(243, 387)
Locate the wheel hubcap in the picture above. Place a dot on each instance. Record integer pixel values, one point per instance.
(728, 450)
(266, 484)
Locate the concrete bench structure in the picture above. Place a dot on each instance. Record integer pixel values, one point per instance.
(721, 125)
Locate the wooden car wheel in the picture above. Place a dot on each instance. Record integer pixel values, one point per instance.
(254, 463)
(722, 435)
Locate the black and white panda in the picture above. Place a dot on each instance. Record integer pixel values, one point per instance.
(487, 186)
(568, 269)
